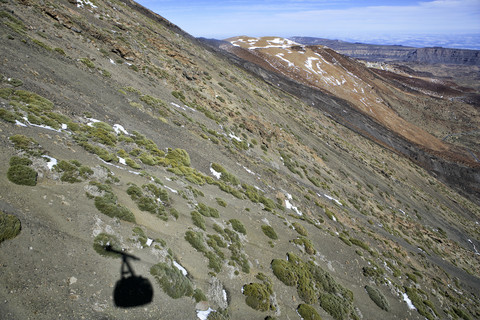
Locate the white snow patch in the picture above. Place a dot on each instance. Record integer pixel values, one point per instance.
(179, 267)
(474, 248)
(51, 162)
(203, 315)
(332, 198)
(178, 106)
(290, 206)
(248, 170)
(224, 295)
(231, 135)
(215, 173)
(172, 190)
(64, 126)
(40, 125)
(280, 55)
(111, 61)
(409, 302)
(149, 242)
(92, 121)
(122, 161)
(82, 3)
(119, 128)
(21, 124)
(134, 172)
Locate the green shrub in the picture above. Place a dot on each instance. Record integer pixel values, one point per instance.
(178, 157)
(221, 202)
(214, 261)
(72, 171)
(134, 192)
(23, 142)
(198, 295)
(258, 296)
(172, 281)
(207, 211)
(103, 240)
(360, 243)
(423, 306)
(196, 240)
(8, 116)
(300, 229)
(374, 271)
(108, 205)
(306, 243)
(269, 232)
(198, 220)
(10, 226)
(335, 306)
(377, 297)
(238, 226)
(307, 312)
(285, 272)
(20, 160)
(87, 62)
(311, 282)
(22, 175)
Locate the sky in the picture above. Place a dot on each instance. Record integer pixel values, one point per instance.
(447, 23)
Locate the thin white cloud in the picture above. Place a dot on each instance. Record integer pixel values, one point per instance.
(333, 19)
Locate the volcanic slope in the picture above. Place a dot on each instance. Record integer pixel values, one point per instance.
(422, 111)
(240, 200)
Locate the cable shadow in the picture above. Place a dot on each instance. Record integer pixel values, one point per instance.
(131, 290)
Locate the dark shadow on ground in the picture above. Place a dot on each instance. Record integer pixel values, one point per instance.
(131, 290)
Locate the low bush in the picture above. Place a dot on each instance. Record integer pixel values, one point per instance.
(300, 229)
(22, 175)
(172, 281)
(198, 220)
(10, 226)
(313, 282)
(269, 232)
(238, 226)
(258, 296)
(207, 211)
(104, 239)
(108, 205)
(306, 243)
(307, 312)
(377, 297)
(196, 240)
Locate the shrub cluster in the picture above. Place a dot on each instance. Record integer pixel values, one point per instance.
(314, 285)
(108, 204)
(172, 281)
(72, 171)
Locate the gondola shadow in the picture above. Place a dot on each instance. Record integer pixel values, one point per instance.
(131, 290)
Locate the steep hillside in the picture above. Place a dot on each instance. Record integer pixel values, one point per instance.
(123, 138)
(387, 96)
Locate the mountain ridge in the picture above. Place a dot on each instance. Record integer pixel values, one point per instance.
(391, 53)
(239, 199)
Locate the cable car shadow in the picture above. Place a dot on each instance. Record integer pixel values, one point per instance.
(131, 290)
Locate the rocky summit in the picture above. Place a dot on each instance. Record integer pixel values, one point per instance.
(147, 174)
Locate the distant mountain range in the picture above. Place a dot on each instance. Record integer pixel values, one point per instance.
(374, 52)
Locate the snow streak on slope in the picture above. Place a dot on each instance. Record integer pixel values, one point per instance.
(323, 68)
